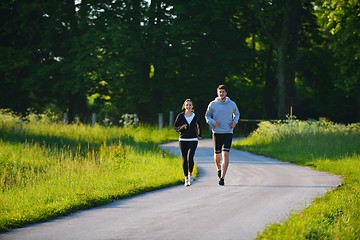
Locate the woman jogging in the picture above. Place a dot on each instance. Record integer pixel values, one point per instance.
(188, 124)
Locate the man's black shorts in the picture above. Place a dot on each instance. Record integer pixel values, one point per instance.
(222, 142)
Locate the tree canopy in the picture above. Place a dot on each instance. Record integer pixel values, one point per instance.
(146, 57)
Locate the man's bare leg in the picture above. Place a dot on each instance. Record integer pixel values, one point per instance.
(217, 163)
(225, 163)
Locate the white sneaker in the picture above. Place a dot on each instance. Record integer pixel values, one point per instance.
(191, 180)
(187, 182)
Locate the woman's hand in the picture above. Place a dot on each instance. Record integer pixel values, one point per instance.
(184, 126)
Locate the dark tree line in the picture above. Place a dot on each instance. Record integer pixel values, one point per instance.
(116, 57)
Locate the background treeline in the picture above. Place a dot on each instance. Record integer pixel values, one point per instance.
(132, 56)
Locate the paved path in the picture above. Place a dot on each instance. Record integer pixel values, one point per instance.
(258, 191)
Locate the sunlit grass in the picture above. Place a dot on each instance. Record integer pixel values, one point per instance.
(49, 169)
(324, 146)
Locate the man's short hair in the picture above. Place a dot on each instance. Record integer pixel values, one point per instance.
(222, 86)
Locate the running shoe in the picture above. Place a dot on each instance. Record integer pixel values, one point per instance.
(221, 182)
(187, 182)
(191, 179)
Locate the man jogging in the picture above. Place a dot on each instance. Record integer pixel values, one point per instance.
(222, 115)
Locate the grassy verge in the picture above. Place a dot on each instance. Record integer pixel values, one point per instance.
(324, 146)
(48, 169)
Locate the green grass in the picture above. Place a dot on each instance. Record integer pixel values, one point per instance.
(324, 146)
(48, 169)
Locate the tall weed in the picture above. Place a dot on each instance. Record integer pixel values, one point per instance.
(56, 169)
(325, 146)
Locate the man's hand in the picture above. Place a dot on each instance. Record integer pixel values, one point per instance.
(216, 124)
(233, 125)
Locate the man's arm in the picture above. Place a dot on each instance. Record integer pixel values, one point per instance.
(208, 116)
(236, 114)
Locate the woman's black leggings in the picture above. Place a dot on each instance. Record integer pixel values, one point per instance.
(187, 152)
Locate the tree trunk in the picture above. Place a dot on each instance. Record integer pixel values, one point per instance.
(281, 82)
(286, 48)
(358, 106)
(270, 85)
(295, 15)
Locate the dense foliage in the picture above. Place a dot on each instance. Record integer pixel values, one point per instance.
(146, 57)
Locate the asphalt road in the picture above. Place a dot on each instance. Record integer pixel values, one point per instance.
(258, 191)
